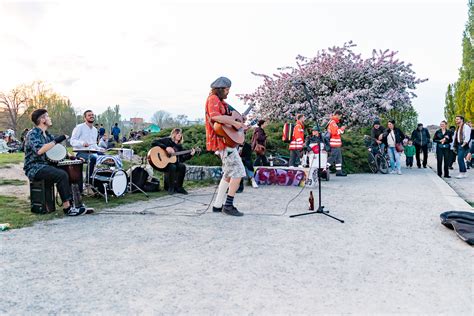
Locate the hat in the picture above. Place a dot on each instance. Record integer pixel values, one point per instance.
(316, 128)
(376, 122)
(221, 82)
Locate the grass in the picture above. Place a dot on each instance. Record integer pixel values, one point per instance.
(17, 211)
(15, 158)
(12, 182)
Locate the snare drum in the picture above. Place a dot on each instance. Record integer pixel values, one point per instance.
(73, 169)
(57, 153)
(112, 181)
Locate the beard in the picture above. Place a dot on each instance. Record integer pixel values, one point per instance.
(90, 120)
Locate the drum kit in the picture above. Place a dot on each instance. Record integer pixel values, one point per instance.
(106, 179)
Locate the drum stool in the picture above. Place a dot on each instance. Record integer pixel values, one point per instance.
(42, 197)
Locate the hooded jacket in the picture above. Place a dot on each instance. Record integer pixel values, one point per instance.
(335, 132)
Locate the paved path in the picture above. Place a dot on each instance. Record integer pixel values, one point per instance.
(464, 187)
(391, 255)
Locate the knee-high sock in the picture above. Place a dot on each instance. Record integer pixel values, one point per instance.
(221, 193)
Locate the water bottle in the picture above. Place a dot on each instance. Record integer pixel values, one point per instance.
(271, 160)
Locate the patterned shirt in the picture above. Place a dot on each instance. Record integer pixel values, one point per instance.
(214, 107)
(35, 139)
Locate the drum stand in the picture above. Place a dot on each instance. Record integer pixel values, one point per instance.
(130, 183)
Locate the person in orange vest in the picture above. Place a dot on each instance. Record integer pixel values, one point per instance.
(336, 143)
(297, 141)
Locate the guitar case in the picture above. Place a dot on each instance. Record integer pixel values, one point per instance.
(461, 222)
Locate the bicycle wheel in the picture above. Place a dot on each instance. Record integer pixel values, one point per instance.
(382, 163)
(372, 163)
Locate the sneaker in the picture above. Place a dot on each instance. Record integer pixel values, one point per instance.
(76, 211)
(217, 209)
(231, 210)
(254, 183)
(399, 172)
(182, 191)
(393, 172)
(461, 176)
(424, 167)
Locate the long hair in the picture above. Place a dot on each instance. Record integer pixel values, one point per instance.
(219, 92)
(175, 132)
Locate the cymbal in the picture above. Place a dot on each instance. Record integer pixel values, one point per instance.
(118, 149)
(87, 150)
(133, 142)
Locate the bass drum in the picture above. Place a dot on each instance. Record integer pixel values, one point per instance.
(114, 181)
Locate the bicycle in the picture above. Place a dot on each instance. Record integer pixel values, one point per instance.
(376, 158)
(277, 160)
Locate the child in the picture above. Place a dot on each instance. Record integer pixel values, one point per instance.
(409, 153)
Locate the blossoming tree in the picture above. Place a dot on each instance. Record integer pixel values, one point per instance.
(337, 79)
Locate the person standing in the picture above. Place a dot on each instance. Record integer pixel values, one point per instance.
(409, 153)
(335, 142)
(37, 142)
(421, 138)
(462, 136)
(116, 132)
(101, 131)
(297, 141)
(259, 140)
(217, 110)
(452, 152)
(377, 135)
(443, 139)
(394, 138)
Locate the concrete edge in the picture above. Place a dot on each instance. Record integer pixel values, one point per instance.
(448, 193)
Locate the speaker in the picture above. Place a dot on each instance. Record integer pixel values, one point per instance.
(42, 197)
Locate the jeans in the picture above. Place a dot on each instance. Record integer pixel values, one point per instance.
(295, 156)
(409, 162)
(89, 158)
(420, 149)
(394, 159)
(462, 152)
(55, 175)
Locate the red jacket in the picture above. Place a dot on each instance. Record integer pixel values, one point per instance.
(297, 142)
(335, 140)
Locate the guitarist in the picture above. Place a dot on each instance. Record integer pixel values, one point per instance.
(175, 171)
(217, 110)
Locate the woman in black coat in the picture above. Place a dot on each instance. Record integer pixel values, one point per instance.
(443, 138)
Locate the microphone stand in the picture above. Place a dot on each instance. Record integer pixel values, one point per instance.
(320, 209)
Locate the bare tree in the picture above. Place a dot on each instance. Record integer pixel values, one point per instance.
(15, 101)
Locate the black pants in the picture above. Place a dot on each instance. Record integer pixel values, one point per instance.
(423, 148)
(295, 156)
(175, 173)
(443, 154)
(409, 161)
(261, 161)
(58, 176)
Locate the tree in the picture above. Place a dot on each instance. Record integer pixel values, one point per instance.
(15, 103)
(450, 107)
(338, 79)
(109, 117)
(182, 120)
(461, 91)
(163, 119)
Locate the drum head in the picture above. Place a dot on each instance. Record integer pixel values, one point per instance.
(119, 182)
(57, 153)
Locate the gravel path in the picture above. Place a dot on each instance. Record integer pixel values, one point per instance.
(391, 255)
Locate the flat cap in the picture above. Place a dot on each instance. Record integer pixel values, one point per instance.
(221, 82)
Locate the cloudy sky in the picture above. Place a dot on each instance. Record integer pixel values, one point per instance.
(162, 55)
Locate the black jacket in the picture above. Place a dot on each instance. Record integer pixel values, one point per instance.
(167, 142)
(421, 138)
(399, 136)
(438, 136)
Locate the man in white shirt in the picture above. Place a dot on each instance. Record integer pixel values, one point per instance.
(462, 136)
(84, 137)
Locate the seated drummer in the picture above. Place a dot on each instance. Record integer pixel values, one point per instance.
(37, 142)
(176, 171)
(84, 136)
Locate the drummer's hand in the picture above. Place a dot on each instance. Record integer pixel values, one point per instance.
(170, 150)
(83, 160)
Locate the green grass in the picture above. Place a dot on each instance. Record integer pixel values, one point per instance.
(14, 158)
(12, 182)
(17, 211)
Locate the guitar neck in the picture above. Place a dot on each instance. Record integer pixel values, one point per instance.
(184, 152)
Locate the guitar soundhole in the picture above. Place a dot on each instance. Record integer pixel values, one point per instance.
(159, 157)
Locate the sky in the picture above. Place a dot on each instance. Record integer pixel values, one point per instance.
(162, 55)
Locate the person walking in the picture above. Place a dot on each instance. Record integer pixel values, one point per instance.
(443, 139)
(421, 138)
(462, 136)
(336, 143)
(394, 138)
(115, 132)
(297, 141)
(259, 144)
(409, 153)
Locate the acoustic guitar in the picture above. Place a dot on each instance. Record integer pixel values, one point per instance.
(232, 136)
(159, 158)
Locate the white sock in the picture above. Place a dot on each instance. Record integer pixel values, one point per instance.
(221, 193)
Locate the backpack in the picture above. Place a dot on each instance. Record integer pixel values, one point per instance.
(288, 129)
